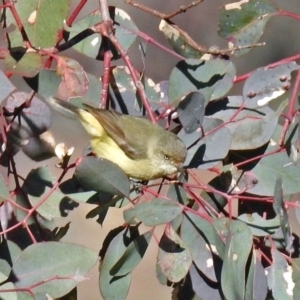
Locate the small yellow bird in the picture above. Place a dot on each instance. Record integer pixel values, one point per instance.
(143, 150)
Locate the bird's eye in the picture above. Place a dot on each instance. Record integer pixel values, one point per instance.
(166, 157)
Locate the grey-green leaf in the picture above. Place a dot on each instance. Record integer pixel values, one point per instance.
(102, 175)
(158, 211)
(132, 255)
(237, 251)
(260, 226)
(52, 267)
(173, 257)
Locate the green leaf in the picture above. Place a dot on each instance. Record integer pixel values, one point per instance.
(292, 139)
(242, 23)
(271, 167)
(173, 256)
(4, 193)
(191, 111)
(266, 84)
(28, 66)
(162, 278)
(9, 251)
(281, 212)
(251, 128)
(39, 183)
(9, 295)
(39, 22)
(257, 286)
(297, 211)
(132, 255)
(198, 244)
(45, 83)
(249, 288)
(102, 175)
(176, 192)
(158, 211)
(6, 86)
(240, 180)
(124, 91)
(221, 183)
(5, 270)
(73, 190)
(212, 78)
(52, 268)
(94, 90)
(207, 153)
(92, 45)
(178, 41)
(202, 287)
(237, 251)
(296, 277)
(112, 287)
(194, 226)
(260, 226)
(222, 227)
(279, 276)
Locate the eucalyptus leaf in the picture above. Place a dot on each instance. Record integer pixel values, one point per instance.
(279, 276)
(112, 287)
(102, 175)
(237, 251)
(92, 45)
(158, 211)
(191, 111)
(132, 255)
(40, 26)
(173, 257)
(65, 266)
(243, 23)
(266, 84)
(6, 86)
(260, 226)
(212, 78)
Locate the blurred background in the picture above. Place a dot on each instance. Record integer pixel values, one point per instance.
(201, 22)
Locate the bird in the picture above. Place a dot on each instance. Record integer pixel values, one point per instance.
(142, 149)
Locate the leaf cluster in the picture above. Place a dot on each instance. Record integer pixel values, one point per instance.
(229, 237)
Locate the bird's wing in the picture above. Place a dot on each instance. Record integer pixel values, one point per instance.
(110, 120)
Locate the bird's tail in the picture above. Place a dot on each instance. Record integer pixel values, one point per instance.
(88, 121)
(65, 108)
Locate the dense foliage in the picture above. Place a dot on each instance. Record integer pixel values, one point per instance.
(229, 238)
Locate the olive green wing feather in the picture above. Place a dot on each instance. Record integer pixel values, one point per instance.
(110, 120)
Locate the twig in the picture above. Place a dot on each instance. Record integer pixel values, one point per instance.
(181, 9)
(105, 79)
(184, 34)
(105, 28)
(105, 17)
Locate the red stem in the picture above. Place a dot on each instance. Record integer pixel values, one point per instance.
(136, 80)
(105, 79)
(288, 14)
